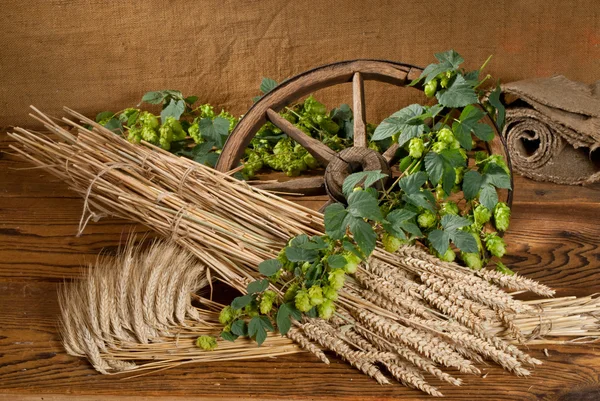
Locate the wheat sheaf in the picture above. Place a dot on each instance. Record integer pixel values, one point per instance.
(405, 315)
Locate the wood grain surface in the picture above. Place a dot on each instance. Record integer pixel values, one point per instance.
(554, 237)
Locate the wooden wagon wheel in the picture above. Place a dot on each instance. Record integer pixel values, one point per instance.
(337, 165)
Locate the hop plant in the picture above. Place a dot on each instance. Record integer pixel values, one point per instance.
(316, 295)
(290, 293)
(266, 301)
(207, 343)
(336, 278)
(415, 148)
(170, 131)
(302, 301)
(148, 119)
(134, 134)
(426, 219)
(194, 132)
(437, 147)
(391, 243)
(352, 262)
(502, 216)
(449, 207)
(445, 135)
(253, 163)
(445, 79)
(227, 315)
(326, 309)
(495, 245)
(448, 256)
(472, 260)
(482, 215)
(501, 267)
(330, 293)
(431, 88)
(460, 173)
(251, 309)
(310, 161)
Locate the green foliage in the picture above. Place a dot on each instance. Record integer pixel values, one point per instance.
(440, 199)
(363, 178)
(214, 130)
(459, 93)
(269, 267)
(450, 231)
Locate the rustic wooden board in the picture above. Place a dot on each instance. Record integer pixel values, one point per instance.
(555, 238)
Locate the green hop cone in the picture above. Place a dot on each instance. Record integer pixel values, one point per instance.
(472, 260)
(454, 145)
(426, 219)
(448, 256)
(194, 131)
(149, 134)
(170, 131)
(266, 301)
(290, 293)
(352, 262)
(336, 278)
(482, 215)
(207, 343)
(227, 315)
(391, 243)
(502, 216)
(480, 156)
(437, 147)
(415, 148)
(330, 293)
(316, 295)
(495, 244)
(206, 111)
(251, 309)
(431, 88)
(305, 266)
(440, 194)
(326, 309)
(501, 267)
(444, 81)
(295, 168)
(460, 173)
(449, 207)
(310, 161)
(302, 301)
(148, 119)
(445, 135)
(134, 135)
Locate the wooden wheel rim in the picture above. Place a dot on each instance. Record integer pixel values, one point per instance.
(290, 90)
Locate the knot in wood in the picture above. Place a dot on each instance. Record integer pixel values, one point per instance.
(353, 160)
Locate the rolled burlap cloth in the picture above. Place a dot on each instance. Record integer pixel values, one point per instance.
(553, 128)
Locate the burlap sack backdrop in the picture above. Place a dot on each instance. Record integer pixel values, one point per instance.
(96, 55)
(553, 129)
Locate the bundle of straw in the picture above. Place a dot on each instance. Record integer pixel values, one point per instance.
(407, 314)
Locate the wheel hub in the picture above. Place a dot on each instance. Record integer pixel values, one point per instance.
(352, 160)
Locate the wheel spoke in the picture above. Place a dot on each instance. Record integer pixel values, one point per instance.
(320, 151)
(360, 124)
(303, 186)
(390, 154)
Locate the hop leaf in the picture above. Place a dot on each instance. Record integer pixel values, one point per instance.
(409, 122)
(459, 94)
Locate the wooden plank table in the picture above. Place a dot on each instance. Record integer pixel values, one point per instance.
(554, 238)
